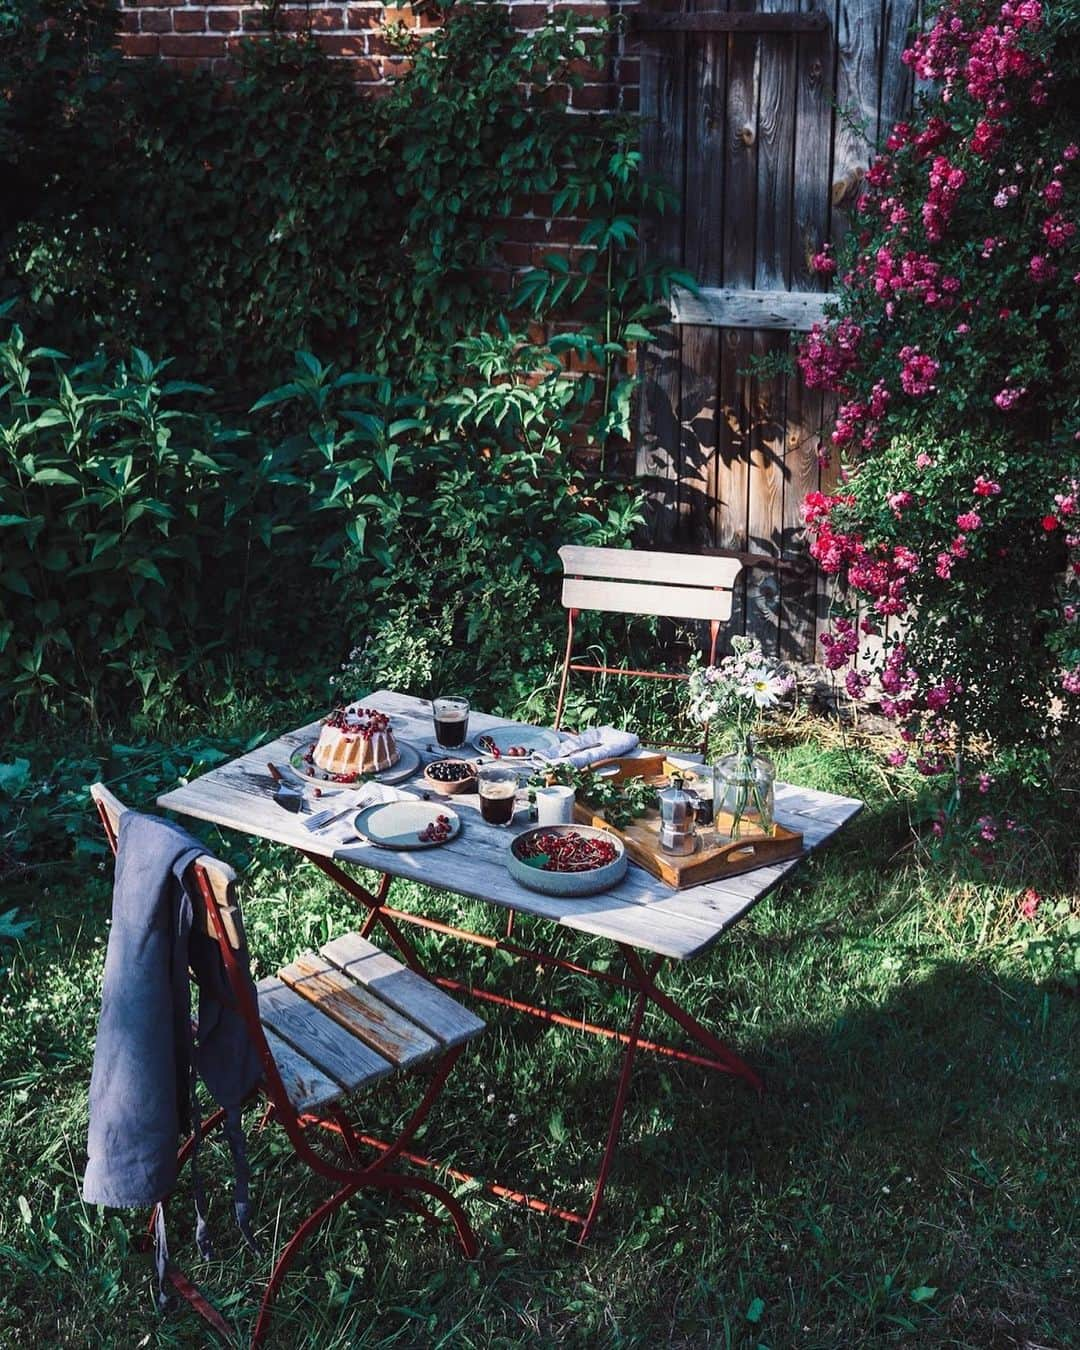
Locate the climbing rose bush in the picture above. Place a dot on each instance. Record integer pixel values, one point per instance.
(950, 348)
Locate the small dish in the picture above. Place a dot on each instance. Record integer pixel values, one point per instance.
(403, 824)
(566, 883)
(449, 787)
(517, 742)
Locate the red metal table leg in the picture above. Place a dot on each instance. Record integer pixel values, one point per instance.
(617, 1111)
(729, 1061)
(375, 904)
(640, 979)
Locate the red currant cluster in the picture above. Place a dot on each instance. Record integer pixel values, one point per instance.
(436, 832)
(355, 721)
(570, 852)
(511, 751)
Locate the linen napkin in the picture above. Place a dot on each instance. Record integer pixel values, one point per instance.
(593, 745)
(343, 832)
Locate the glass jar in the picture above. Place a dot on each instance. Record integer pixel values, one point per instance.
(743, 794)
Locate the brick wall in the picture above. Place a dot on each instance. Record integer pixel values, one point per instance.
(193, 33)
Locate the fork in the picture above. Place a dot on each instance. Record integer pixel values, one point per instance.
(321, 819)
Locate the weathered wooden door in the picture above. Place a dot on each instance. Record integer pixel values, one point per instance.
(762, 117)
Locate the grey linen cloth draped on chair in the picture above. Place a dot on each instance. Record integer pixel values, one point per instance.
(142, 1087)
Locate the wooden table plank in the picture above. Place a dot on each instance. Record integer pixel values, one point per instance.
(641, 911)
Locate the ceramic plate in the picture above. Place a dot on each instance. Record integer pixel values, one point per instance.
(400, 824)
(532, 740)
(407, 765)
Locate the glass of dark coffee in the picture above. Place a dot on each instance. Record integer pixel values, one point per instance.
(497, 785)
(451, 716)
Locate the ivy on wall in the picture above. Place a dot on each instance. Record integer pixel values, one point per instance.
(229, 223)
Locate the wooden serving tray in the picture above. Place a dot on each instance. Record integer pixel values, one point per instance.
(711, 862)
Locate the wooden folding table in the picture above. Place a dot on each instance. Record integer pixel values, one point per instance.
(647, 921)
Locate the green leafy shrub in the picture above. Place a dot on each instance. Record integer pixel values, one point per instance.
(149, 546)
(228, 224)
(484, 494)
(142, 539)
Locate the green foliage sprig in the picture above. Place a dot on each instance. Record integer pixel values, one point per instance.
(620, 803)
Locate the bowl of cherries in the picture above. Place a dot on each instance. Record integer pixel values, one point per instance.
(450, 776)
(567, 859)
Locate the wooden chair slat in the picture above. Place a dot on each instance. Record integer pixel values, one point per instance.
(358, 1010)
(629, 564)
(328, 1045)
(305, 1085)
(408, 993)
(633, 581)
(625, 597)
(222, 881)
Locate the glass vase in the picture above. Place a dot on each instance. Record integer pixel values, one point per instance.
(743, 794)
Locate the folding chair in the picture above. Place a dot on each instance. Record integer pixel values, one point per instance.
(633, 581)
(326, 1026)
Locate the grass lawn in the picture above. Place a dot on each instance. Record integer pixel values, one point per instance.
(909, 1177)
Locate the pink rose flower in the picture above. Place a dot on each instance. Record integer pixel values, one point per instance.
(1007, 399)
(1029, 903)
(856, 683)
(917, 372)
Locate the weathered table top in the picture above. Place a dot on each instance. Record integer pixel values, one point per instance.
(641, 911)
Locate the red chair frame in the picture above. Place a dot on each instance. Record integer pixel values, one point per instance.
(215, 881)
(634, 581)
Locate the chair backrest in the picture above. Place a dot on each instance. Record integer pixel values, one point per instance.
(219, 916)
(633, 581)
(218, 890)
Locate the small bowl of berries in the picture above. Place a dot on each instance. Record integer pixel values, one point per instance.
(450, 776)
(567, 859)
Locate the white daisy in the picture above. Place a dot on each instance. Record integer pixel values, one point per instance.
(765, 688)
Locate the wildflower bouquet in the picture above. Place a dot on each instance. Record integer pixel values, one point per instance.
(736, 692)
